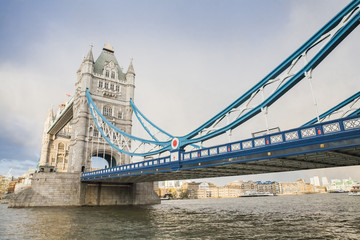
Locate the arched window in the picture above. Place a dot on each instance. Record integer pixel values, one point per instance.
(107, 73)
(107, 111)
(112, 74)
(61, 146)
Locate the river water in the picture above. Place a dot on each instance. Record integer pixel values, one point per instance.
(317, 216)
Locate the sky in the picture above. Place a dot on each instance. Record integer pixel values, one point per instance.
(191, 58)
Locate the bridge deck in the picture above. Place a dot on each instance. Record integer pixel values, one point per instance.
(330, 144)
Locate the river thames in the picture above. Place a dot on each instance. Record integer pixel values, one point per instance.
(317, 216)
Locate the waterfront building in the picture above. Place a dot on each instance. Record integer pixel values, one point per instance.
(325, 181)
(190, 189)
(315, 181)
(207, 190)
(171, 184)
(268, 187)
(231, 190)
(300, 187)
(344, 185)
(4, 184)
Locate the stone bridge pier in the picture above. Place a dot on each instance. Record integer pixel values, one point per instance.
(66, 189)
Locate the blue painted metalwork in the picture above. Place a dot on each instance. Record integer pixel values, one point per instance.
(336, 108)
(321, 133)
(338, 37)
(333, 32)
(357, 112)
(164, 145)
(137, 113)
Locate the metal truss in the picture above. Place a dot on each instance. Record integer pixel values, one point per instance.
(256, 100)
(122, 141)
(154, 131)
(348, 107)
(281, 79)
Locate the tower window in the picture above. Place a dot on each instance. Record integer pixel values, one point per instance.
(117, 88)
(100, 84)
(112, 86)
(106, 85)
(61, 146)
(107, 73)
(96, 133)
(107, 111)
(112, 74)
(120, 115)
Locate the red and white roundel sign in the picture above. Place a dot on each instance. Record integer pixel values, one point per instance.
(175, 143)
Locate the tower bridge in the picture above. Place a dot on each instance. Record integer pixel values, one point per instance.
(99, 119)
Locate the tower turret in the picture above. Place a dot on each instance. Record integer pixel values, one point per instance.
(46, 138)
(130, 81)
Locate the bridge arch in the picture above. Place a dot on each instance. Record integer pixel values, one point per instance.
(99, 158)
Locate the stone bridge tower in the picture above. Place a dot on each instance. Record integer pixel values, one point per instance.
(68, 137)
(111, 90)
(67, 149)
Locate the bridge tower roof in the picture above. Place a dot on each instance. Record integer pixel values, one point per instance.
(107, 56)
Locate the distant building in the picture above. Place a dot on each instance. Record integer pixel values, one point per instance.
(232, 190)
(316, 181)
(207, 190)
(343, 185)
(171, 184)
(268, 187)
(325, 181)
(4, 184)
(301, 187)
(190, 189)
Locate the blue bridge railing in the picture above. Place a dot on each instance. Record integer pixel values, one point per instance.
(165, 164)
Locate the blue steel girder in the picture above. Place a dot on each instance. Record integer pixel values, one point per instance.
(143, 120)
(152, 129)
(350, 112)
(331, 34)
(275, 150)
(279, 81)
(120, 140)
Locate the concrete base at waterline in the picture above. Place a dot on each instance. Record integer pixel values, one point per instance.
(65, 189)
(102, 194)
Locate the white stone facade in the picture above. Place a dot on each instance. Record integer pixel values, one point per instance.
(111, 90)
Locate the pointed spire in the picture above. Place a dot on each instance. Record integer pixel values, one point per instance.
(51, 113)
(90, 57)
(108, 47)
(50, 116)
(131, 68)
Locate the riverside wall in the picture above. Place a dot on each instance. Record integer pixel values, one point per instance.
(66, 189)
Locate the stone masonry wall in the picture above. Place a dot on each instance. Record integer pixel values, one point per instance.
(50, 189)
(132, 194)
(65, 189)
